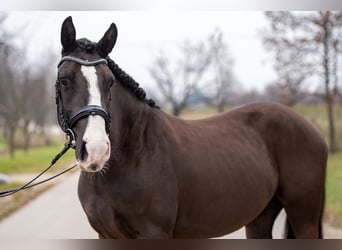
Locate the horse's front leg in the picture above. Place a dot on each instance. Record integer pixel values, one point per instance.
(155, 232)
(102, 237)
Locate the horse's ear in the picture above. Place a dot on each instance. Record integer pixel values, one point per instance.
(68, 35)
(107, 42)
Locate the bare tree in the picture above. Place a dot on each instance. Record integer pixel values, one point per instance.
(37, 102)
(198, 63)
(10, 96)
(33, 92)
(336, 54)
(42, 100)
(304, 46)
(222, 63)
(25, 108)
(291, 48)
(9, 92)
(25, 96)
(3, 34)
(178, 81)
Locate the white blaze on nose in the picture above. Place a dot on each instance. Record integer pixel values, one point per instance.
(89, 73)
(97, 142)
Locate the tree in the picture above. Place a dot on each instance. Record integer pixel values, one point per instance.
(178, 81)
(9, 92)
(26, 98)
(36, 101)
(291, 49)
(304, 46)
(337, 51)
(33, 104)
(222, 64)
(10, 96)
(3, 34)
(197, 63)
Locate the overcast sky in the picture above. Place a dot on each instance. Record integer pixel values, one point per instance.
(141, 34)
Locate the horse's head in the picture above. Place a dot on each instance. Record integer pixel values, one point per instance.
(83, 95)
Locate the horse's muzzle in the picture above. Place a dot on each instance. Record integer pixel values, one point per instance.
(94, 154)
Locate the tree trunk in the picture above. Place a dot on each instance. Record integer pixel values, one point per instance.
(332, 141)
(176, 110)
(27, 136)
(336, 92)
(220, 107)
(328, 94)
(11, 142)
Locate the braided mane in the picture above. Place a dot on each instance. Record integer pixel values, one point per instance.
(126, 80)
(129, 83)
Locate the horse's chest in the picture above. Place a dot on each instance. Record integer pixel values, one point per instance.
(113, 208)
(106, 218)
(129, 209)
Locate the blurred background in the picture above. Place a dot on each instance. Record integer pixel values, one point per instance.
(193, 64)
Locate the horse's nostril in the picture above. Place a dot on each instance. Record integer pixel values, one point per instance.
(93, 166)
(83, 152)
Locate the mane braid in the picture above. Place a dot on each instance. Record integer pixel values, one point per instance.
(129, 83)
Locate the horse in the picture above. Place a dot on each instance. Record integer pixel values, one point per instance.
(147, 174)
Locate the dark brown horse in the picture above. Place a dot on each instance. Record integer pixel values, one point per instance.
(146, 174)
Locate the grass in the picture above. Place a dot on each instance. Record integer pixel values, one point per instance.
(193, 113)
(2, 143)
(34, 161)
(317, 115)
(333, 207)
(9, 186)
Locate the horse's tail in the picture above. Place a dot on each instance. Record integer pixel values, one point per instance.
(320, 226)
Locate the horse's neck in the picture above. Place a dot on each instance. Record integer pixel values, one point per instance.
(136, 128)
(131, 122)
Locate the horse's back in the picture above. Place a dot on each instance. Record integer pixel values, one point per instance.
(285, 132)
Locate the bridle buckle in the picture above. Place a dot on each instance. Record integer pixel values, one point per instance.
(70, 137)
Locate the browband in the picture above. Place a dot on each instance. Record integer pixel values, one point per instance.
(81, 61)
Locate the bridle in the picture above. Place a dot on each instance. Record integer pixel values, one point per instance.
(66, 124)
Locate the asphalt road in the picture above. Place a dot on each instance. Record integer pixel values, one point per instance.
(57, 214)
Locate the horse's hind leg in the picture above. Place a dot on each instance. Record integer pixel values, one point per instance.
(305, 218)
(261, 226)
(302, 196)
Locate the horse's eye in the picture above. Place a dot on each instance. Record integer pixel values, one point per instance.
(64, 81)
(111, 82)
(108, 83)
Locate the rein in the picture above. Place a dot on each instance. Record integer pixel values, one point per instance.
(67, 126)
(66, 147)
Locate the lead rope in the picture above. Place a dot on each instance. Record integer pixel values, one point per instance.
(69, 144)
